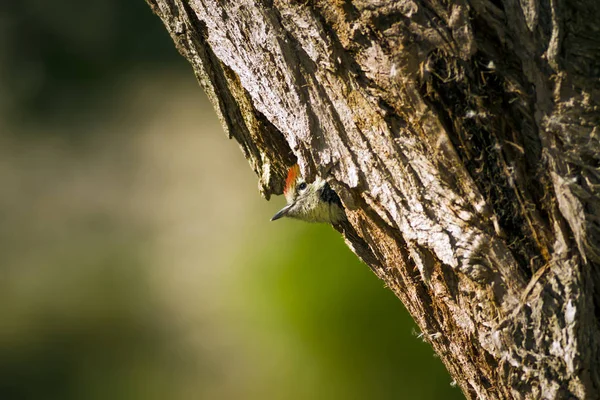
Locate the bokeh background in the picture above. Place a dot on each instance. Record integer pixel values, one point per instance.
(137, 260)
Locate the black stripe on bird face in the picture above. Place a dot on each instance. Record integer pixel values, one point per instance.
(328, 195)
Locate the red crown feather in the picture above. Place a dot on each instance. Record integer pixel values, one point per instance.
(292, 176)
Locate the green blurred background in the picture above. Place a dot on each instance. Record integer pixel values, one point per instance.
(137, 260)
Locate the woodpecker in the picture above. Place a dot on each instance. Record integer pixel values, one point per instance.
(318, 202)
(310, 202)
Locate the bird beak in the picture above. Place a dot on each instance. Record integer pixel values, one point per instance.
(282, 213)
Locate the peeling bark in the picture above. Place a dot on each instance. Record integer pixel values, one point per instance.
(463, 140)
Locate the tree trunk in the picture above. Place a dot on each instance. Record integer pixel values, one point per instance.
(463, 140)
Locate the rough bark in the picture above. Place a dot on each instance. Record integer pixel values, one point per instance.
(463, 140)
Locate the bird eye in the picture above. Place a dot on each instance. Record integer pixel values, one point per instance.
(302, 186)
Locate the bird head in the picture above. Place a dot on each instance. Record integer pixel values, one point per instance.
(310, 202)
